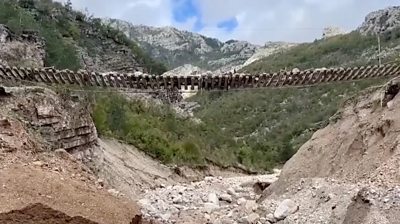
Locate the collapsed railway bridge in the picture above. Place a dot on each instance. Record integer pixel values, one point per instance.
(226, 81)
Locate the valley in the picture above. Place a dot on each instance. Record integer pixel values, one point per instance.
(95, 128)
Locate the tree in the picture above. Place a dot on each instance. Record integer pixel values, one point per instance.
(27, 4)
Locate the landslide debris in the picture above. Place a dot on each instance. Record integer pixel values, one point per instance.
(348, 171)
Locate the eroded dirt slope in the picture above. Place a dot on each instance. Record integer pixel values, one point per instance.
(349, 171)
(33, 171)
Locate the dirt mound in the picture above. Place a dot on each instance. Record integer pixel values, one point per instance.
(40, 214)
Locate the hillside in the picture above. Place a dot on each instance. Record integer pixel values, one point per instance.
(348, 171)
(176, 48)
(72, 39)
(266, 125)
(358, 48)
(353, 49)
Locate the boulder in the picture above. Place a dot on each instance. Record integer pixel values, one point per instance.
(213, 198)
(250, 206)
(251, 219)
(210, 207)
(226, 197)
(114, 192)
(241, 201)
(285, 208)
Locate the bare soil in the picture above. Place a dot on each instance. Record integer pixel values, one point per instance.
(30, 175)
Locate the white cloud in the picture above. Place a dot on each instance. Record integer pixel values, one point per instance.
(258, 20)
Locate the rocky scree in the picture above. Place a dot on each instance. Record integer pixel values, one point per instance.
(212, 200)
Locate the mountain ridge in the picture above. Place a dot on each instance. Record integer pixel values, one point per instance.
(176, 47)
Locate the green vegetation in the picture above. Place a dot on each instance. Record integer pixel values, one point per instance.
(352, 49)
(63, 30)
(270, 125)
(153, 129)
(258, 129)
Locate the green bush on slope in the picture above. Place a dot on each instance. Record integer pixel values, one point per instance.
(153, 129)
(259, 129)
(268, 126)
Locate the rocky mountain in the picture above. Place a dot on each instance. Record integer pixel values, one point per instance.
(268, 49)
(176, 47)
(186, 69)
(381, 20)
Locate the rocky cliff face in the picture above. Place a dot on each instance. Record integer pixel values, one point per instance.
(332, 31)
(381, 20)
(268, 49)
(176, 48)
(62, 122)
(24, 50)
(107, 53)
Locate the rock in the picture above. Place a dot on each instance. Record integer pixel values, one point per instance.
(208, 179)
(264, 221)
(39, 163)
(251, 206)
(213, 198)
(231, 191)
(252, 218)
(166, 216)
(210, 207)
(226, 197)
(270, 218)
(285, 208)
(177, 199)
(332, 31)
(241, 201)
(114, 192)
(381, 21)
(295, 70)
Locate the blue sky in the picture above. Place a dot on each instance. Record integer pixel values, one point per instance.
(256, 21)
(185, 10)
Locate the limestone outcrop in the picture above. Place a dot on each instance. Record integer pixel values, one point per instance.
(381, 21)
(62, 122)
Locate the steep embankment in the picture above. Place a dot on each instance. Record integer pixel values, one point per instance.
(348, 171)
(72, 39)
(366, 144)
(38, 131)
